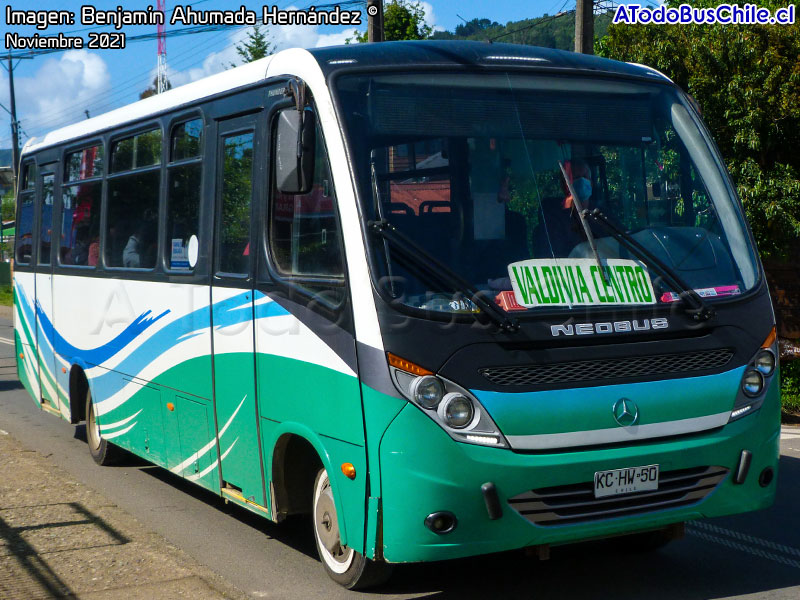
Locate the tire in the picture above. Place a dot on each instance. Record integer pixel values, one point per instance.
(102, 451)
(344, 565)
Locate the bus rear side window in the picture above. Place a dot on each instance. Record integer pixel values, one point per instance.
(24, 233)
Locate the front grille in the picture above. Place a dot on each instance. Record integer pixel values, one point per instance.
(568, 504)
(612, 368)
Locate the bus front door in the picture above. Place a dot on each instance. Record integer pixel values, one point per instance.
(238, 154)
(45, 330)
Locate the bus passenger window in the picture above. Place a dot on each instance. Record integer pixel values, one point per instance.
(237, 186)
(24, 233)
(133, 189)
(304, 232)
(80, 208)
(46, 228)
(183, 195)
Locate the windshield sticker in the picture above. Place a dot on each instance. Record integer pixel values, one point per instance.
(579, 282)
(712, 292)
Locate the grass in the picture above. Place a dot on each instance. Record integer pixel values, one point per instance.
(6, 295)
(790, 386)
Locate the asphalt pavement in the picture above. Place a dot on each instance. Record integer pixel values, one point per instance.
(69, 528)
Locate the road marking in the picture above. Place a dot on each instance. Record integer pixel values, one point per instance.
(746, 543)
(6, 341)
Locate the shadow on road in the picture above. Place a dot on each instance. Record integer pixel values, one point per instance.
(718, 558)
(26, 573)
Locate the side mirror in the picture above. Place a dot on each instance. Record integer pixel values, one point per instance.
(294, 151)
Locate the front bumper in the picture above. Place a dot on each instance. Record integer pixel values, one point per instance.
(423, 471)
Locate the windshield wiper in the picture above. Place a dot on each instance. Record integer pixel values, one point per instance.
(699, 310)
(442, 272)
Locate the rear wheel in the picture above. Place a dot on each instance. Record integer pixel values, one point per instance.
(102, 452)
(344, 565)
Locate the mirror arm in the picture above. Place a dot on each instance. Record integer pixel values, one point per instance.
(297, 90)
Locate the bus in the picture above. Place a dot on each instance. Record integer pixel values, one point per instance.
(447, 298)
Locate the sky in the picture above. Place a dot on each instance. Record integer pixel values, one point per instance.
(57, 89)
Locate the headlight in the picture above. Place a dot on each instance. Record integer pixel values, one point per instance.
(752, 383)
(765, 362)
(457, 410)
(427, 391)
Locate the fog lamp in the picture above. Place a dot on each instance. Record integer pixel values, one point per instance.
(752, 383)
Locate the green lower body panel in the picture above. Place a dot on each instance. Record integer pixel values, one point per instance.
(423, 470)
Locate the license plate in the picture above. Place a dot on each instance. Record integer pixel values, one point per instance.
(625, 481)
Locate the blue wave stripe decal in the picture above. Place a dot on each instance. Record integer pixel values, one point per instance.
(231, 311)
(101, 354)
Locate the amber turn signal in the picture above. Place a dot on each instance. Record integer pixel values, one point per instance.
(349, 470)
(406, 365)
(170, 406)
(770, 339)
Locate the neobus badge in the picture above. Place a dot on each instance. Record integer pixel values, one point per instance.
(616, 327)
(579, 282)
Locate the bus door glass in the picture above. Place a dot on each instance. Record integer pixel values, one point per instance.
(238, 153)
(44, 290)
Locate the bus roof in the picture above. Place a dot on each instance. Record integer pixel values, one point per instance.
(428, 53)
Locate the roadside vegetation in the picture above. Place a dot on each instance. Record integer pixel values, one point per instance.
(6, 295)
(790, 387)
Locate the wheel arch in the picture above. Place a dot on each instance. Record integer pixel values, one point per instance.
(78, 386)
(292, 489)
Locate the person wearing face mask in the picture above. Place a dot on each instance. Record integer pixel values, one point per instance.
(559, 229)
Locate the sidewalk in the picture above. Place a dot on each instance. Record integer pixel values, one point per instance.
(60, 539)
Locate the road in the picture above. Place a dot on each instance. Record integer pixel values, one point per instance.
(755, 555)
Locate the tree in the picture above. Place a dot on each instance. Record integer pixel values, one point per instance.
(153, 89)
(254, 46)
(402, 20)
(746, 79)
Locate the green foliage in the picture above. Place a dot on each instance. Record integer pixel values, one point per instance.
(153, 89)
(6, 295)
(402, 20)
(548, 31)
(8, 207)
(790, 386)
(746, 79)
(255, 46)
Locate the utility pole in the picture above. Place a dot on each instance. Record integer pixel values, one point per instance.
(375, 21)
(14, 123)
(584, 26)
(161, 77)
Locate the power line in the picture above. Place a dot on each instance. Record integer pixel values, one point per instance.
(541, 21)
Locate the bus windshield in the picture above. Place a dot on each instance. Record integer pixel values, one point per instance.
(490, 175)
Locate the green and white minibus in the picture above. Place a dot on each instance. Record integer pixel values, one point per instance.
(449, 299)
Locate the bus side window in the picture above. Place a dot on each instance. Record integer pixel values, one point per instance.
(24, 232)
(184, 176)
(80, 207)
(304, 233)
(237, 179)
(46, 227)
(133, 189)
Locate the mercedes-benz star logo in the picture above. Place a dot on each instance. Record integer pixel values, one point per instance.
(626, 413)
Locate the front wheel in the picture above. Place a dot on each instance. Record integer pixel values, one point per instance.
(102, 452)
(344, 565)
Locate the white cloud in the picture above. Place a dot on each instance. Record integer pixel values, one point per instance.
(59, 92)
(430, 16)
(280, 36)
